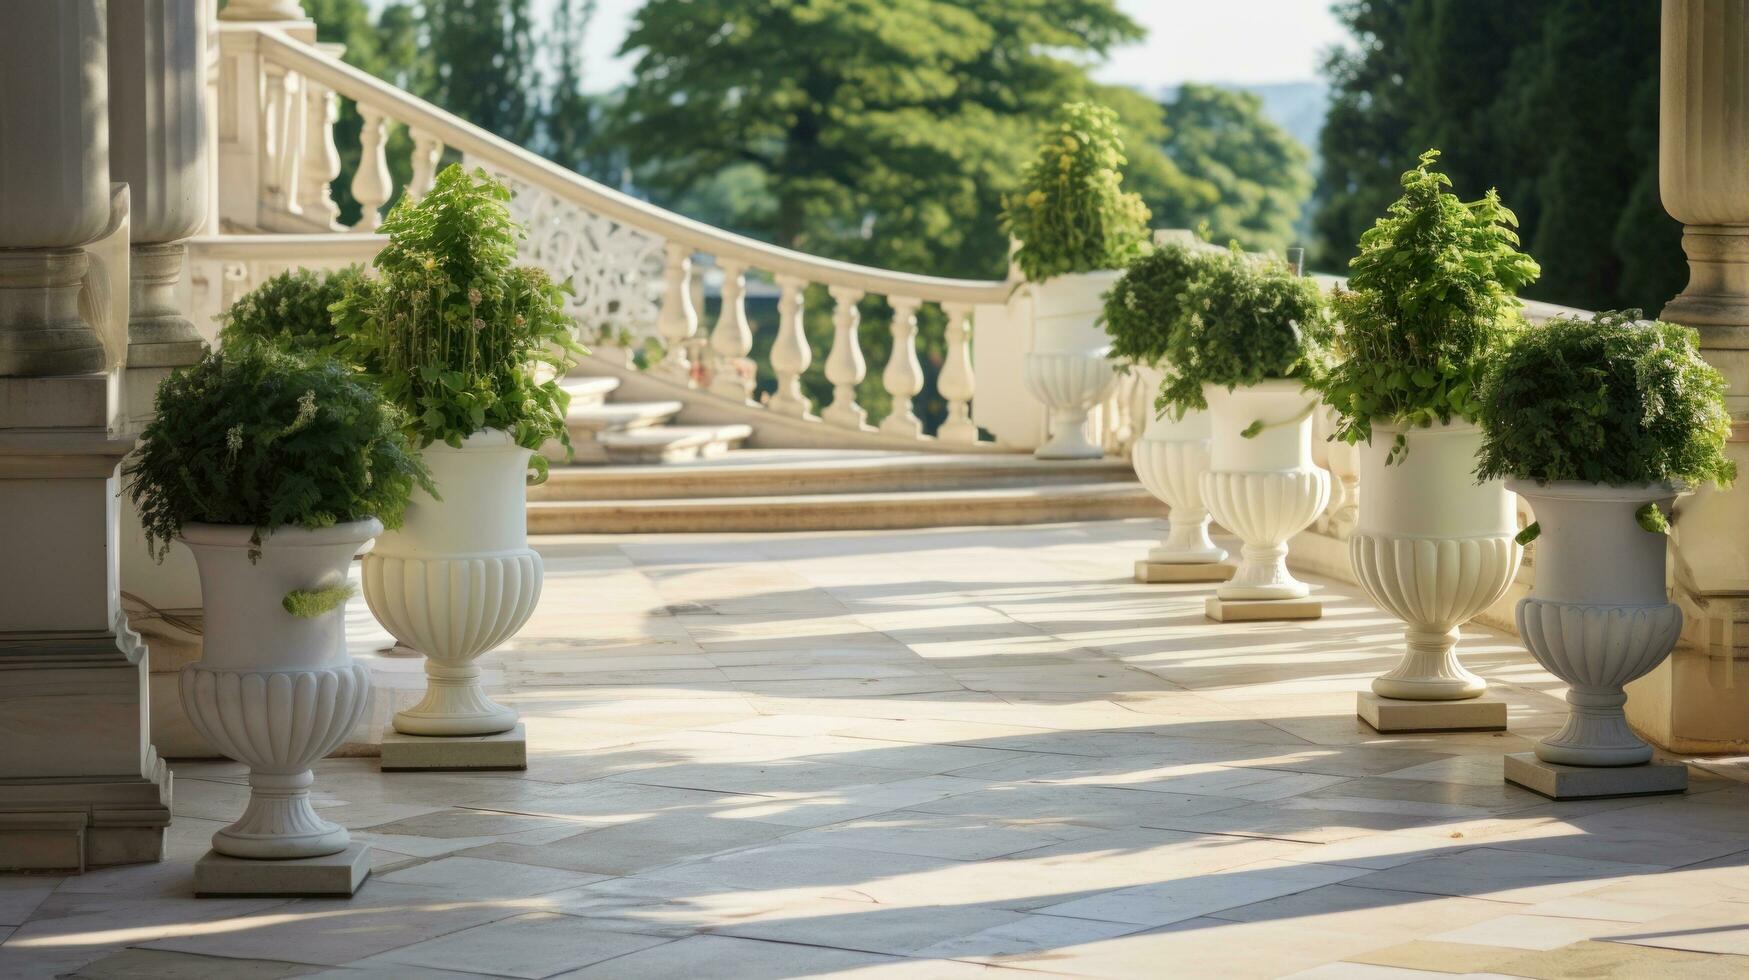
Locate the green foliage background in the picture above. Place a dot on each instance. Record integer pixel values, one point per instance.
(1553, 102)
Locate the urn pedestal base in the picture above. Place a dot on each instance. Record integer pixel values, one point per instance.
(1155, 572)
(1558, 782)
(1394, 715)
(1261, 610)
(222, 876)
(504, 751)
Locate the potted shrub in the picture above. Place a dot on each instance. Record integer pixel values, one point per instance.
(1255, 336)
(1429, 303)
(1600, 424)
(274, 468)
(1076, 227)
(454, 332)
(293, 309)
(1142, 309)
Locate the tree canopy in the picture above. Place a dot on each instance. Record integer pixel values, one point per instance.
(882, 132)
(1248, 177)
(1555, 103)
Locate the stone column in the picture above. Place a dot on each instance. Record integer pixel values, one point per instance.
(158, 144)
(1694, 702)
(80, 784)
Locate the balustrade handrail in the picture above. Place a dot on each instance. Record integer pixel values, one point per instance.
(471, 140)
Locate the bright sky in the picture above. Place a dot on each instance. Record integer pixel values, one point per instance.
(1246, 41)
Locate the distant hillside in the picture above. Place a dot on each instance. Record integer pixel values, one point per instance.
(1297, 107)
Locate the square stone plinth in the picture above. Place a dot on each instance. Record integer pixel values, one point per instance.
(1558, 782)
(1261, 610)
(1156, 572)
(424, 753)
(1482, 714)
(220, 875)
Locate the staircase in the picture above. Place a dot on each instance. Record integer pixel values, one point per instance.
(637, 432)
(709, 484)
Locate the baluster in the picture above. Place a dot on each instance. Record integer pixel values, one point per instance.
(678, 320)
(371, 185)
(273, 130)
(956, 383)
(321, 163)
(845, 367)
(790, 355)
(732, 339)
(903, 375)
(295, 129)
(426, 149)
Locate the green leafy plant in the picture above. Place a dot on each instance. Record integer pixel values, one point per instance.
(1430, 300)
(293, 308)
(312, 603)
(265, 437)
(454, 330)
(1613, 400)
(1070, 212)
(1149, 302)
(1246, 320)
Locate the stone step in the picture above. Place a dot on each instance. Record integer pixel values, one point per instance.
(846, 511)
(778, 472)
(587, 421)
(589, 392)
(664, 443)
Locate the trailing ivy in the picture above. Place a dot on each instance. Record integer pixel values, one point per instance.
(265, 437)
(292, 308)
(1070, 211)
(1429, 302)
(454, 330)
(1611, 400)
(311, 603)
(1245, 320)
(1149, 302)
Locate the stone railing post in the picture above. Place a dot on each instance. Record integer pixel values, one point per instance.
(956, 382)
(371, 185)
(321, 160)
(678, 320)
(790, 355)
(903, 376)
(1688, 704)
(426, 150)
(845, 367)
(80, 784)
(732, 338)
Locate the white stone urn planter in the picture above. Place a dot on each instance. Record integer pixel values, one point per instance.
(1067, 368)
(1170, 459)
(1598, 615)
(273, 690)
(458, 578)
(1433, 547)
(1264, 489)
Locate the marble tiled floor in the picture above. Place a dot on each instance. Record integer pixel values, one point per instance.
(941, 754)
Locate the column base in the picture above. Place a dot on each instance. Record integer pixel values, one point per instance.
(1558, 782)
(75, 826)
(423, 753)
(1155, 572)
(221, 876)
(1393, 715)
(1261, 610)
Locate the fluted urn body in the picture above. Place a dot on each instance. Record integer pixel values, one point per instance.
(1599, 614)
(1067, 368)
(458, 579)
(1264, 488)
(1433, 547)
(273, 690)
(1170, 459)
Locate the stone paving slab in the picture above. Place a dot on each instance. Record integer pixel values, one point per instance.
(942, 753)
